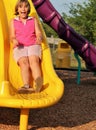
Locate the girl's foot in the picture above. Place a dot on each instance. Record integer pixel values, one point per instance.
(38, 84)
(26, 89)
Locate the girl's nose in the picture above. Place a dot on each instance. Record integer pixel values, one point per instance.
(23, 8)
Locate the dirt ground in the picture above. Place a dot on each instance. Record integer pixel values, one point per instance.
(75, 111)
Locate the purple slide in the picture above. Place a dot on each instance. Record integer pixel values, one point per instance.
(80, 45)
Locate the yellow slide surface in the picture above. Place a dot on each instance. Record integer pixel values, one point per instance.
(10, 77)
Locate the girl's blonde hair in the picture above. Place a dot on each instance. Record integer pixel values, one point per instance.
(19, 2)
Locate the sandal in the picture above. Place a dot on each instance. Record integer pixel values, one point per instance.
(38, 84)
(25, 89)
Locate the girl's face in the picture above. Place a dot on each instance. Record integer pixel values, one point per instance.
(23, 10)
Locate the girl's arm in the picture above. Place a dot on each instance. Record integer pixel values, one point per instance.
(12, 34)
(38, 32)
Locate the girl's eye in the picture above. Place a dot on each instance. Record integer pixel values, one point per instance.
(20, 6)
(26, 6)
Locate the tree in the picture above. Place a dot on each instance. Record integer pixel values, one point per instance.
(49, 31)
(83, 19)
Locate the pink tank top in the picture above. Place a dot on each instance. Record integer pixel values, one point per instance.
(25, 33)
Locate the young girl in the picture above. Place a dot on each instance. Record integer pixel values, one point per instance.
(26, 37)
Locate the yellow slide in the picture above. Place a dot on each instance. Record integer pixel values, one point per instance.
(10, 77)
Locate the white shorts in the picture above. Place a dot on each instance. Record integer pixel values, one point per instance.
(26, 51)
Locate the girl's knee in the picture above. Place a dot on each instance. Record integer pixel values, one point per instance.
(23, 62)
(34, 59)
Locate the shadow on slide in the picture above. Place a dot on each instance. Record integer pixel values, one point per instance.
(10, 77)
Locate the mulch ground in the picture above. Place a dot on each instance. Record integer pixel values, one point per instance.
(75, 111)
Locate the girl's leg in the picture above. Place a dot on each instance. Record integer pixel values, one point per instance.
(25, 70)
(34, 62)
(36, 71)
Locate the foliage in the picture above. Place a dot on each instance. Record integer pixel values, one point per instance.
(83, 19)
(49, 31)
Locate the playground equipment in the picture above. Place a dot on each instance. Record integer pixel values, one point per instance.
(80, 45)
(63, 55)
(10, 78)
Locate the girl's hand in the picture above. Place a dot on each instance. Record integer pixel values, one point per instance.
(15, 43)
(39, 40)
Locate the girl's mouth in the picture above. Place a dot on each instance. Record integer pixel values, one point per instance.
(23, 12)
